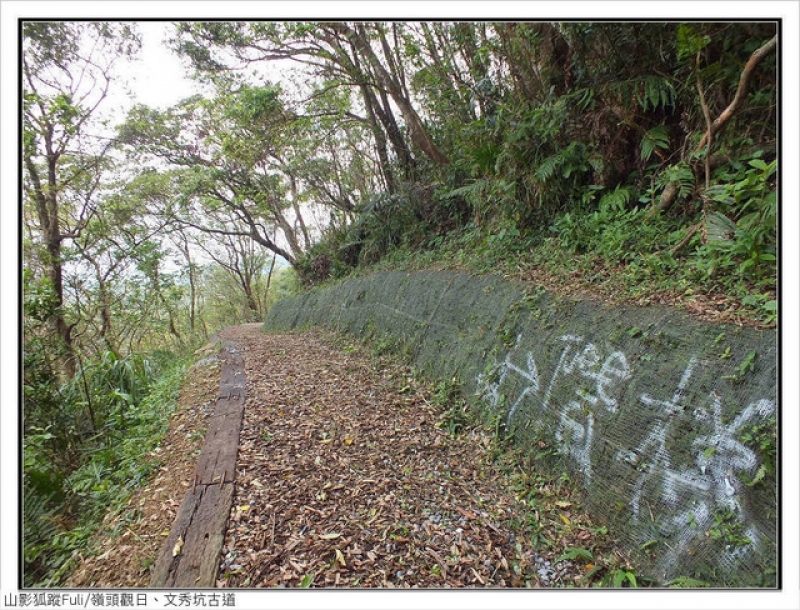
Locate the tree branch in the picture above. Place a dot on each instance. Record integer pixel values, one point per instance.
(741, 92)
(707, 116)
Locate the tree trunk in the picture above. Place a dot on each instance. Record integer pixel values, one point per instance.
(252, 304)
(419, 134)
(105, 316)
(47, 212)
(184, 248)
(192, 296)
(383, 110)
(156, 279)
(299, 217)
(269, 275)
(671, 190)
(380, 139)
(404, 156)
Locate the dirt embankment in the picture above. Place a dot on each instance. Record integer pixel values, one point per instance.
(129, 541)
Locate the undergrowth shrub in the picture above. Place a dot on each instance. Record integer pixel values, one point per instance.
(63, 504)
(409, 218)
(613, 232)
(742, 233)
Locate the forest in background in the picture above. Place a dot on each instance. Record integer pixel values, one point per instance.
(637, 160)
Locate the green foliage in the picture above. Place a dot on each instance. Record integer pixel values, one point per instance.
(307, 580)
(728, 528)
(587, 125)
(385, 223)
(457, 416)
(40, 380)
(617, 576)
(650, 93)
(654, 93)
(554, 161)
(611, 232)
(684, 582)
(39, 529)
(682, 174)
(621, 577)
(85, 438)
(690, 41)
(563, 164)
(576, 554)
(114, 386)
(653, 139)
(63, 509)
(762, 437)
(746, 244)
(285, 283)
(548, 169)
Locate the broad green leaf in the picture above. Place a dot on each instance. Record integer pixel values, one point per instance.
(719, 227)
(576, 553)
(308, 580)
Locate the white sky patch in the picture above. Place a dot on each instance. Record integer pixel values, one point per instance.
(161, 77)
(157, 77)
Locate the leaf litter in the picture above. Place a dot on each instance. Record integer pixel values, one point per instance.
(344, 479)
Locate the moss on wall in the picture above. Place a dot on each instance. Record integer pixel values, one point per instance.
(665, 422)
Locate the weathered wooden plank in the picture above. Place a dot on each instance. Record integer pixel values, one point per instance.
(167, 562)
(189, 557)
(200, 554)
(217, 460)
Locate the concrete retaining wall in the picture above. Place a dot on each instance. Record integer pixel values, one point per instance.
(657, 417)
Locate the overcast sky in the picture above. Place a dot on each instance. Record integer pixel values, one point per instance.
(161, 78)
(158, 77)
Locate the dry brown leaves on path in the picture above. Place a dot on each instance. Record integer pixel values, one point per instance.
(345, 480)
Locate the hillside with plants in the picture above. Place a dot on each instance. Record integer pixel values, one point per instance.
(627, 162)
(644, 154)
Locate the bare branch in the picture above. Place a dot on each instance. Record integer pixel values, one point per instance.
(741, 92)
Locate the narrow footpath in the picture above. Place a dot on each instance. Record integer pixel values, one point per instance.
(347, 474)
(345, 479)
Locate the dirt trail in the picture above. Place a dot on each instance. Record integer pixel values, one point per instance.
(344, 479)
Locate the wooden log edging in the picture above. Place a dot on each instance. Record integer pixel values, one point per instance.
(189, 557)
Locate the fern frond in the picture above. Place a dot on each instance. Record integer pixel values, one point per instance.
(548, 167)
(649, 92)
(655, 92)
(597, 162)
(472, 192)
(657, 137)
(682, 174)
(616, 200)
(38, 525)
